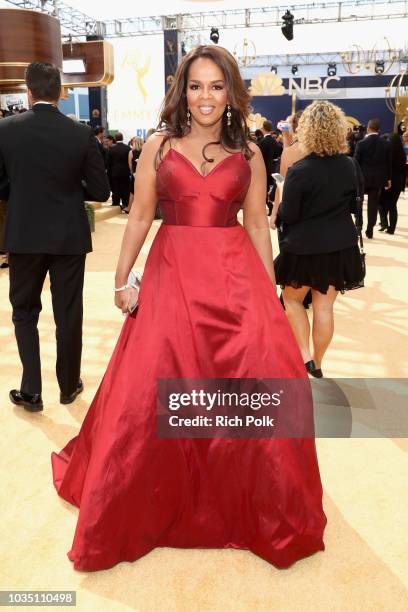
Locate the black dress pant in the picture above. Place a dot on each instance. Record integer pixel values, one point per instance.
(388, 208)
(27, 275)
(120, 191)
(373, 199)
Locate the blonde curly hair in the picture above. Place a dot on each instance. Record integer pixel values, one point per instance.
(322, 129)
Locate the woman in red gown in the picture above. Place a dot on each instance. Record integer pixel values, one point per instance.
(207, 309)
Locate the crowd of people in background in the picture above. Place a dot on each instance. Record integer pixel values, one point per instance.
(382, 159)
(120, 161)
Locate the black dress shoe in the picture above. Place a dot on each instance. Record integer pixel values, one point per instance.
(68, 399)
(390, 231)
(310, 366)
(32, 403)
(317, 373)
(369, 234)
(312, 370)
(383, 228)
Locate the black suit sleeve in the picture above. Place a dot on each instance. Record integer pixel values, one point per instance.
(95, 182)
(291, 206)
(360, 179)
(262, 146)
(357, 152)
(277, 149)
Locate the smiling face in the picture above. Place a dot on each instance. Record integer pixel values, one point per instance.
(206, 92)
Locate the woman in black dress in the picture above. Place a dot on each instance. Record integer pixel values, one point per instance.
(319, 242)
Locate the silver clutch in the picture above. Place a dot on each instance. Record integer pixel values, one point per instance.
(134, 281)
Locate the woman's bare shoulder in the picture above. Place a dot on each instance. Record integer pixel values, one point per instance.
(153, 143)
(256, 151)
(253, 146)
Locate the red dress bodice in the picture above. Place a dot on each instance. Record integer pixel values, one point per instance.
(186, 197)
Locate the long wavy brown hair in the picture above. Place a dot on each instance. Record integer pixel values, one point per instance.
(173, 116)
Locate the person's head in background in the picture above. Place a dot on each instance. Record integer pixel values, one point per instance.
(293, 121)
(402, 127)
(322, 130)
(405, 138)
(373, 126)
(43, 82)
(267, 127)
(258, 134)
(119, 137)
(137, 143)
(110, 141)
(99, 133)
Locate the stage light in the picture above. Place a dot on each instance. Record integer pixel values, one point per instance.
(379, 67)
(287, 28)
(215, 35)
(274, 69)
(295, 69)
(331, 69)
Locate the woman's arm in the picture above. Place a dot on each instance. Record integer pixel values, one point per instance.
(275, 207)
(130, 159)
(279, 187)
(255, 219)
(140, 218)
(290, 208)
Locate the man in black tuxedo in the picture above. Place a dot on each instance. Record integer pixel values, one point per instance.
(100, 138)
(119, 172)
(271, 151)
(374, 156)
(48, 165)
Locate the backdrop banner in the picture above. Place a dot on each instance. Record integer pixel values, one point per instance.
(136, 94)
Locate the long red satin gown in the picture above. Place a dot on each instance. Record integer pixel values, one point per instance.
(207, 309)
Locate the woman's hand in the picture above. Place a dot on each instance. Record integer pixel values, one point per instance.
(124, 298)
(272, 219)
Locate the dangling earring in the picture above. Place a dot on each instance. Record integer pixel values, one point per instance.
(229, 115)
(188, 117)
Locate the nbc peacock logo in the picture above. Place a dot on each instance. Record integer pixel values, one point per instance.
(267, 84)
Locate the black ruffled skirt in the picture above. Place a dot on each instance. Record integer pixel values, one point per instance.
(343, 269)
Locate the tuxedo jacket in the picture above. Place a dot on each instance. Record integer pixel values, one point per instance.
(118, 161)
(271, 150)
(49, 164)
(374, 156)
(102, 151)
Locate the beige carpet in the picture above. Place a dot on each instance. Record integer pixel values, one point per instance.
(365, 565)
